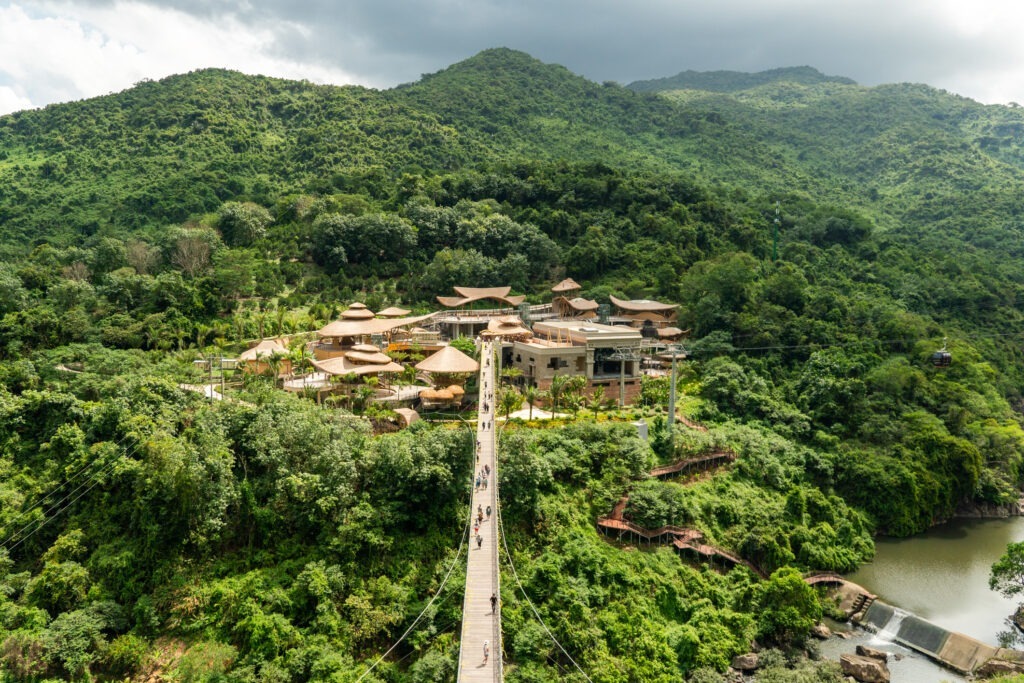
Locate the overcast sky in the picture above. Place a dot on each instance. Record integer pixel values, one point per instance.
(60, 50)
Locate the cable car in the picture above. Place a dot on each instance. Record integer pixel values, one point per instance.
(942, 358)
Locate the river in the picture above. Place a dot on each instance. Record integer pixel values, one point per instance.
(941, 576)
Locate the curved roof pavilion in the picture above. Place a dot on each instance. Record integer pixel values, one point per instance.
(470, 295)
(643, 306)
(363, 328)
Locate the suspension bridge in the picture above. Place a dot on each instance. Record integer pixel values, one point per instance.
(480, 646)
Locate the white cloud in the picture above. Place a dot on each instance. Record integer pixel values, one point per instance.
(59, 51)
(11, 100)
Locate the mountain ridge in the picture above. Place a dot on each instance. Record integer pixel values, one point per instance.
(732, 81)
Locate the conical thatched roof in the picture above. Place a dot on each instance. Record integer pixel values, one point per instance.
(341, 366)
(376, 358)
(508, 326)
(566, 285)
(393, 312)
(448, 360)
(357, 311)
(265, 349)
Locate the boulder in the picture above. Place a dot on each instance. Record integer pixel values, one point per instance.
(866, 651)
(864, 669)
(821, 631)
(747, 662)
(1018, 618)
(998, 667)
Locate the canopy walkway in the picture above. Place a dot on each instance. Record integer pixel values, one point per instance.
(480, 623)
(686, 541)
(701, 462)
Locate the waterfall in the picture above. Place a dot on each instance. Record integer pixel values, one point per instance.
(891, 629)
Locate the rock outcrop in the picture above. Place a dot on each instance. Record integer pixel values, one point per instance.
(866, 651)
(747, 662)
(864, 669)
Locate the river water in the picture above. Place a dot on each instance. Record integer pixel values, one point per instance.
(941, 576)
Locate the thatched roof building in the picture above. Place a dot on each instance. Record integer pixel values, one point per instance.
(469, 295)
(450, 361)
(565, 286)
(508, 327)
(393, 312)
(265, 349)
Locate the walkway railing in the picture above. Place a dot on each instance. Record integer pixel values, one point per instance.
(480, 646)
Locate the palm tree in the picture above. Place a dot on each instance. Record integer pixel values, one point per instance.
(509, 400)
(531, 394)
(596, 400)
(203, 333)
(509, 374)
(296, 360)
(239, 321)
(279, 315)
(557, 388)
(574, 402)
(274, 363)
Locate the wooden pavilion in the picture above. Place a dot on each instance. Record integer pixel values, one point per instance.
(448, 366)
(257, 360)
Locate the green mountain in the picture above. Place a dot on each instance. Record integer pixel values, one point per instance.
(733, 81)
(268, 537)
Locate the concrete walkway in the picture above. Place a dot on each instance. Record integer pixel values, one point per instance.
(479, 623)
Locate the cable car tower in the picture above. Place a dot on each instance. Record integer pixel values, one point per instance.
(775, 233)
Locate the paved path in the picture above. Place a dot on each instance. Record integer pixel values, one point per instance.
(479, 623)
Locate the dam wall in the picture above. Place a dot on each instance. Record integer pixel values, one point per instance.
(954, 650)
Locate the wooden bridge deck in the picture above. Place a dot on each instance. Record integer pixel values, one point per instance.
(707, 460)
(479, 623)
(683, 539)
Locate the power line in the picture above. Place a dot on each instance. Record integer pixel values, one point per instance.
(863, 342)
(458, 553)
(536, 614)
(49, 519)
(42, 499)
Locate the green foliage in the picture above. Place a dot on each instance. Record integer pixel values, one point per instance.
(1007, 577)
(787, 607)
(278, 540)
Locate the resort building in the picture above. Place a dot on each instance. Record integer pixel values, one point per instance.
(607, 355)
(340, 336)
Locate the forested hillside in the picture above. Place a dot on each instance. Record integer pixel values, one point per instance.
(268, 538)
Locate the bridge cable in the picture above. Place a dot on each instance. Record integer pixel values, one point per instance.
(55, 514)
(455, 560)
(530, 602)
(95, 476)
(42, 498)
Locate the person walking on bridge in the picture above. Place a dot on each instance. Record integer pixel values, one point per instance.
(487, 650)
(494, 603)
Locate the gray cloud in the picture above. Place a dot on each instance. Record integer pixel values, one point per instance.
(382, 43)
(873, 41)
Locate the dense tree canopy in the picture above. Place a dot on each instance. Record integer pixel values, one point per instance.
(270, 538)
